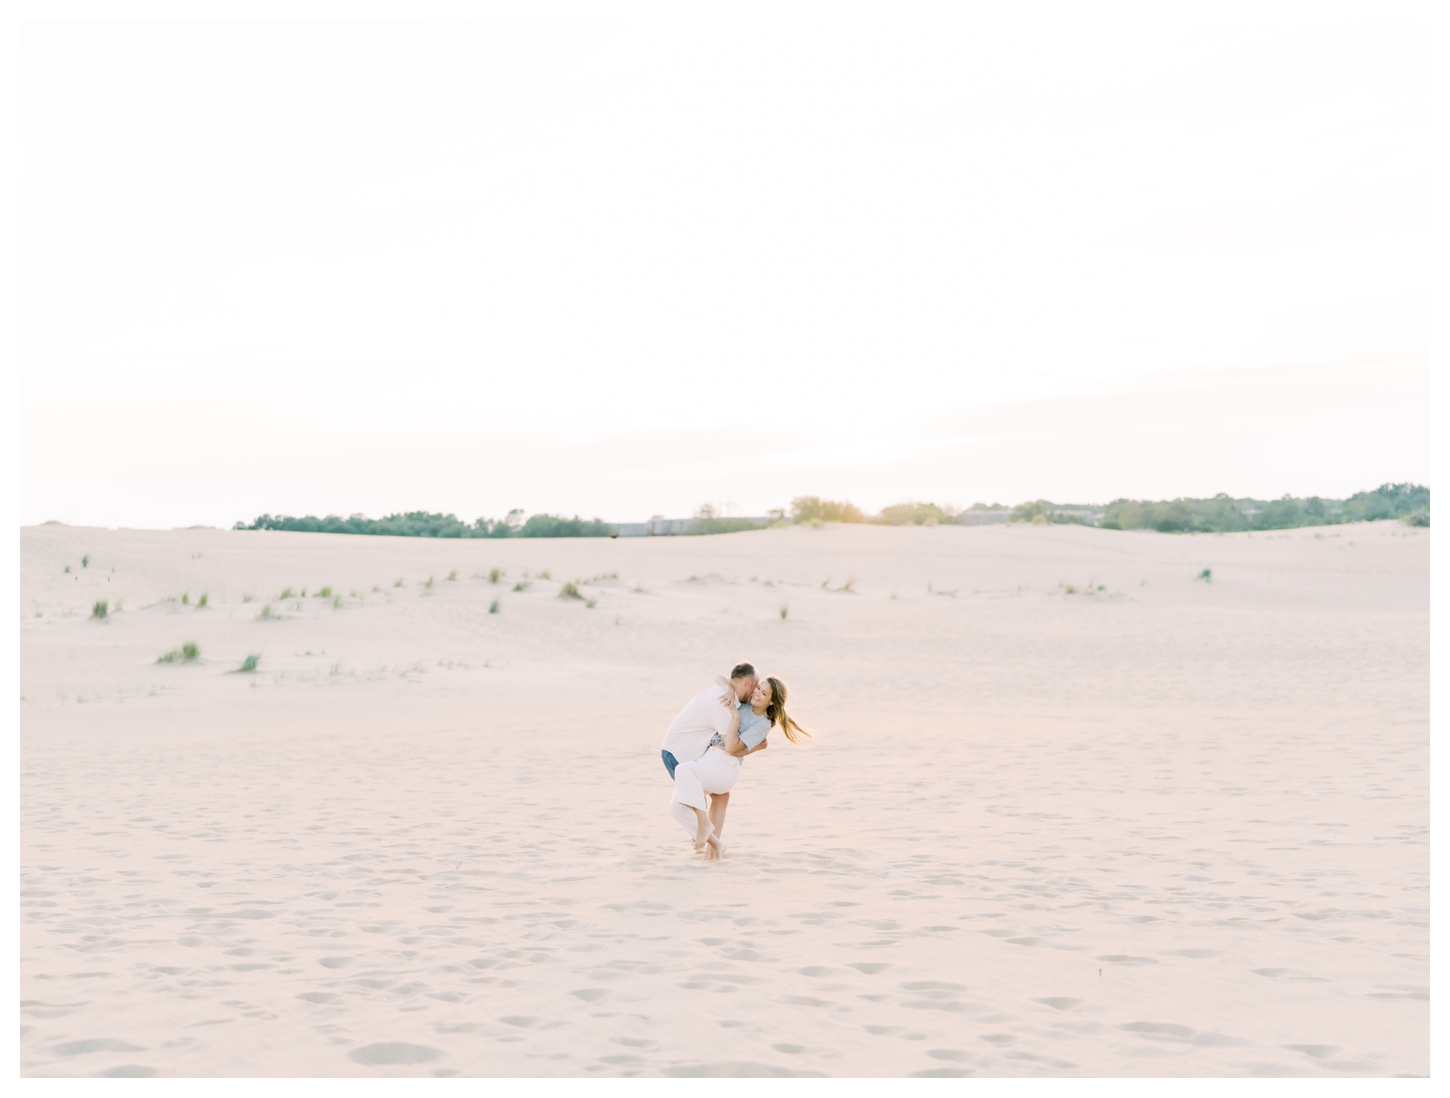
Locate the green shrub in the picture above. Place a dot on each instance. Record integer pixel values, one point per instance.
(101, 610)
(249, 664)
(494, 574)
(190, 651)
(591, 603)
(1419, 517)
(286, 594)
(201, 602)
(784, 612)
(1206, 575)
(522, 585)
(169, 657)
(569, 591)
(247, 598)
(544, 575)
(453, 575)
(493, 607)
(185, 599)
(398, 582)
(266, 614)
(86, 561)
(325, 593)
(806, 508)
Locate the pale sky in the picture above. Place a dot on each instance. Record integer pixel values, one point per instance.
(621, 268)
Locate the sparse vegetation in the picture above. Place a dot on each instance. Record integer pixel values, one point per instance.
(201, 602)
(336, 602)
(266, 613)
(187, 653)
(1206, 575)
(286, 594)
(1418, 517)
(522, 585)
(493, 607)
(569, 591)
(101, 610)
(246, 597)
(67, 569)
(429, 583)
(494, 574)
(544, 575)
(249, 664)
(453, 575)
(86, 561)
(784, 612)
(590, 604)
(325, 593)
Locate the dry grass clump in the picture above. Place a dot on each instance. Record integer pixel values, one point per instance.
(569, 591)
(101, 610)
(495, 573)
(453, 575)
(266, 614)
(286, 594)
(325, 593)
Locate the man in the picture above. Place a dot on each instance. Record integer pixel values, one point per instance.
(688, 736)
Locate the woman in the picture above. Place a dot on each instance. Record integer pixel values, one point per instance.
(717, 769)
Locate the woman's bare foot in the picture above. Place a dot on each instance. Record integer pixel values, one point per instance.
(716, 849)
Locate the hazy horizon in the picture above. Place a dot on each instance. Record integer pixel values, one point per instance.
(625, 267)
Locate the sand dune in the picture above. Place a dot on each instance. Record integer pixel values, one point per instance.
(1071, 810)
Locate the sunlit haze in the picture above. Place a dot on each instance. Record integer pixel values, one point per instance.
(625, 268)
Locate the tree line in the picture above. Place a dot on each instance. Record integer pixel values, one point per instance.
(1220, 514)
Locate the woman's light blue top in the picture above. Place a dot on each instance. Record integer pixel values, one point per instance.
(753, 728)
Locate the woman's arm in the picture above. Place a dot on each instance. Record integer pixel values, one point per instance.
(731, 736)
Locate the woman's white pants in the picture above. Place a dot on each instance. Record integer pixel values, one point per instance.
(714, 772)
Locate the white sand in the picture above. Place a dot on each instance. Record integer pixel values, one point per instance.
(1166, 828)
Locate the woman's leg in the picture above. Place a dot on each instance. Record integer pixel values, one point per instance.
(719, 802)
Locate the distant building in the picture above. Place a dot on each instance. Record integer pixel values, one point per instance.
(660, 527)
(1088, 515)
(983, 517)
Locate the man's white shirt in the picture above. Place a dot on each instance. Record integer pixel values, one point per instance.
(689, 734)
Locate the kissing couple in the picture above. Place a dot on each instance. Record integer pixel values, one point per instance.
(704, 745)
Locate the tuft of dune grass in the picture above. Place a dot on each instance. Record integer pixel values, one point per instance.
(101, 610)
(493, 607)
(249, 664)
(569, 591)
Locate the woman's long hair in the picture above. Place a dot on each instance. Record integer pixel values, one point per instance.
(776, 714)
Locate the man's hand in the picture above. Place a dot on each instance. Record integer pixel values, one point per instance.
(728, 699)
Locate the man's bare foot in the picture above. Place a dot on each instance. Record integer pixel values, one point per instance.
(716, 849)
(704, 832)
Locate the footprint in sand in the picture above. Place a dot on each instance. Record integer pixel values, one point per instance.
(95, 1044)
(394, 1052)
(128, 1071)
(1060, 1002)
